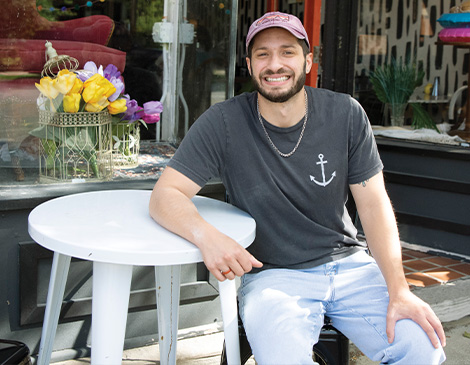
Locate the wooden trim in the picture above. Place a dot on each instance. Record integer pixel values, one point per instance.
(421, 147)
(29, 196)
(272, 5)
(312, 24)
(427, 182)
(433, 223)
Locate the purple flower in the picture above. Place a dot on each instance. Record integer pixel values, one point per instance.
(111, 71)
(153, 107)
(91, 66)
(139, 113)
(119, 85)
(133, 111)
(132, 106)
(149, 114)
(88, 71)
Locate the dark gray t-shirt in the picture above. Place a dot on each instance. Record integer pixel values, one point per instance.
(298, 202)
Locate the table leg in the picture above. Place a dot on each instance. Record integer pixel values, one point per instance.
(111, 290)
(228, 303)
(55, 295)
(167, 279)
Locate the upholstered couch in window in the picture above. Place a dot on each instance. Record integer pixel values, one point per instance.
(23, 33)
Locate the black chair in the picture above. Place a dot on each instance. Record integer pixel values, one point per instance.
(332, 347)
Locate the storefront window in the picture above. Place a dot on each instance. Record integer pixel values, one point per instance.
(174, 52)
(408, 32)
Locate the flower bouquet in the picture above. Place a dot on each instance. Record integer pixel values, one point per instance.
(77, 114)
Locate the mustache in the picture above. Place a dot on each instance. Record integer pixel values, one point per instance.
(280, 71)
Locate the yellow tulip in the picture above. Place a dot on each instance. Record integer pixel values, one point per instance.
(90, 92)
(97, 106)
(110, 89)
(72, 102)
(118, 106)
(97, 87)
(47, 87)
(65, 81)
(77, 86)
(92, 79)
(107, 87)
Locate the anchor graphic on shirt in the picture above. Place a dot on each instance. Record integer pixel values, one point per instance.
(322, 164)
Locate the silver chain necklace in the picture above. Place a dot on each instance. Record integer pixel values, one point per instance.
(301, 132)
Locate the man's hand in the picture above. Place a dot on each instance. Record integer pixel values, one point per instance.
(224, 254)
(408, 305)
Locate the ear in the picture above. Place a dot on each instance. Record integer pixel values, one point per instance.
(309, 62)
(248, 64)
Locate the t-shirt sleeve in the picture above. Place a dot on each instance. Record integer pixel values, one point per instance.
(201, 153)
(364, 159)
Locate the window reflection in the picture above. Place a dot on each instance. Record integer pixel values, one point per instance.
(104, 31)
(406, 30)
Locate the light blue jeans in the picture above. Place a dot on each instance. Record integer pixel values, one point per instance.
(283, 311)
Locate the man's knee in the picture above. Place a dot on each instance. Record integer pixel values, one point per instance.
(412, 346)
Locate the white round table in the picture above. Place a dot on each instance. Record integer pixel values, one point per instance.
(115, 231)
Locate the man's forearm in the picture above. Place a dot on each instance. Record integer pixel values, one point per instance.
(176, 212)
(383, 240)
(378, 220)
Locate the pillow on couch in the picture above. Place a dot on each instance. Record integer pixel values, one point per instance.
(93, 29)
(21, 19)
(23, 34)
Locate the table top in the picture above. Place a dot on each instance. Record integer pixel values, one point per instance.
(114, 226)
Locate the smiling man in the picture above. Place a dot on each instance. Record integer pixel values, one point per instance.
(288, 155)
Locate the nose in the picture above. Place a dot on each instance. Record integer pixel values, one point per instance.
(275, 64)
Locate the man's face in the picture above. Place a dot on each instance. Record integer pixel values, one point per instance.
(278, 66)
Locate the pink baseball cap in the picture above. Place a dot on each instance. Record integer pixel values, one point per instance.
(277, 19)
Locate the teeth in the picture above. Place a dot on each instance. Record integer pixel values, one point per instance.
(277, 79)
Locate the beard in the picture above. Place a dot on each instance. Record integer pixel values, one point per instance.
(278, 97)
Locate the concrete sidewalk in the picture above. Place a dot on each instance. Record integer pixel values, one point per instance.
(206, 349)
(200, 345)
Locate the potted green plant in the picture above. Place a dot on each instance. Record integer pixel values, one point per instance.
(394, 83)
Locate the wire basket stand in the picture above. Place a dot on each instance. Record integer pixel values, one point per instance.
(75, 146)
(126, 145)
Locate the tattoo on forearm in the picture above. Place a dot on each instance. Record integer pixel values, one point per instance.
(363, 183)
